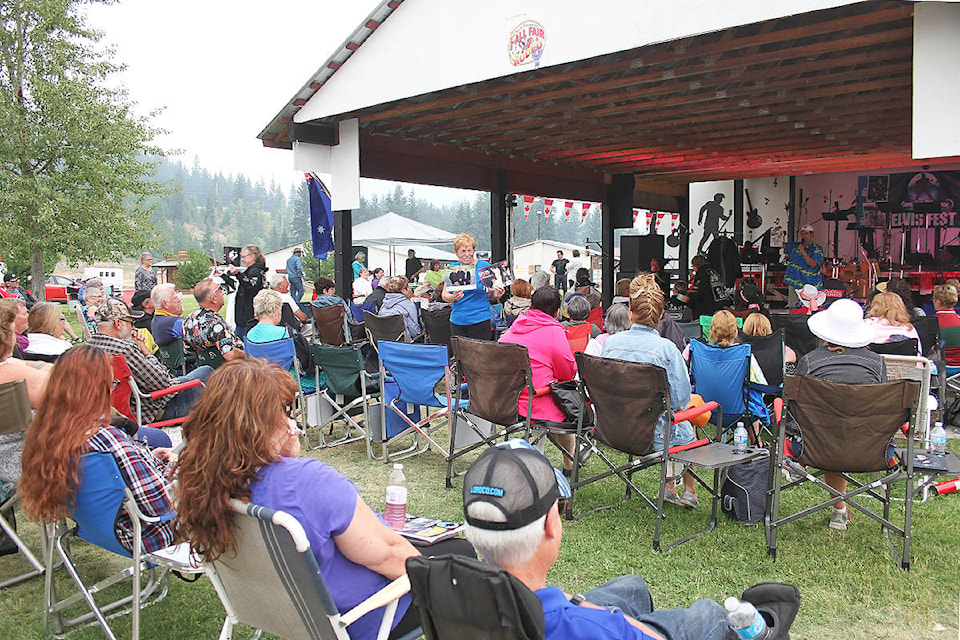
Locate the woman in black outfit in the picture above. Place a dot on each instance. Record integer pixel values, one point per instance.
(249, 278)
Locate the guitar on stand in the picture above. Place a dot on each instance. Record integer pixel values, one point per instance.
(753, 216)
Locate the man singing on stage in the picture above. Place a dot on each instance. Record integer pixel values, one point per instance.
(806, 264)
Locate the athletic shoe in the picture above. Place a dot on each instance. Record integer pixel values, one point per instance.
(839, 518)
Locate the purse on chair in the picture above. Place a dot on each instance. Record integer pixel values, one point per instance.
(567, 397)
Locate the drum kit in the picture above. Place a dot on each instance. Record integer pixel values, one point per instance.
(858, 277)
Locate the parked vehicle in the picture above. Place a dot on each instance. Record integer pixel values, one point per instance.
(61, 288)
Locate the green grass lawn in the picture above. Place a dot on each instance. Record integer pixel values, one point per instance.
(850, 585)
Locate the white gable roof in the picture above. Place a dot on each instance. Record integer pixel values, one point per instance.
(428, 45)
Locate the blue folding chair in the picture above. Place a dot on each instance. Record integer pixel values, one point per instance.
(101, 496)
(283, 353)
(416, 369)
(722, 376)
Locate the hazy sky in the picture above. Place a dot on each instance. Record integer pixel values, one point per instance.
(221, 70)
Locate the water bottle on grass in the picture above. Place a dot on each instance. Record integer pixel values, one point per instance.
(396, 511)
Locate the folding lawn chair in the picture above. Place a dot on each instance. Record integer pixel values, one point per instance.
(347, 390)
(630, 398)
(390, 328)
(417, 369)
(15, 416)
(797, 334)
(847, 429)
(332, 325)
(283, 353)
(578, 336)
(127, 397)
(437, 325)
(596, 317)
(101, 496)
(463, 598)
(211, 356)
(722, 375)
(272, 582)
(495, 374)
(908, 347)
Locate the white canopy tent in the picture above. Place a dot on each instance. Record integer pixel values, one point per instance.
(397, 234)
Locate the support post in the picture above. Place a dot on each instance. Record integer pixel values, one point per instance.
(343, 253)
(617, 206)
(498, 219)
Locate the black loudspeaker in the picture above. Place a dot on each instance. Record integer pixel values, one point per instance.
(637, 251)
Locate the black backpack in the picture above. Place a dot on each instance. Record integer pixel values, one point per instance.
(744, 493)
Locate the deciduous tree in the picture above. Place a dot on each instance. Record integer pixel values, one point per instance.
(73, 181)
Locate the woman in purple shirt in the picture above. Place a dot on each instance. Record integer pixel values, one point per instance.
(247, 449)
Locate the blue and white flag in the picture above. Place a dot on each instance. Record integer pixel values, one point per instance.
(321, 217)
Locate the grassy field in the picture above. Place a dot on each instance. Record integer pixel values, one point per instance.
(850, 585)
(849, 582)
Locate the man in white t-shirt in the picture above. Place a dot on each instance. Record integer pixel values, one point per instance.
(575, 264)
(291, 314)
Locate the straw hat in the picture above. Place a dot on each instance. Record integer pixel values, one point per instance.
(842, 323)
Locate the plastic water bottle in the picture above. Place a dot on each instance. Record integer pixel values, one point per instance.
(745, 620)
(938, 439)
(740, 439)
(396, 511)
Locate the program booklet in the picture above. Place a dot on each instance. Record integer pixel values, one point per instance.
(459, 279)
(423, 530)
(497, 274)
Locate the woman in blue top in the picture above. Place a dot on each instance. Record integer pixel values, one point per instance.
(471, 308)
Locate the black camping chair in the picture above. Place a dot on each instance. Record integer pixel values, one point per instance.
(797, 334)
(437, 325)
(459, 597)
(906, 347)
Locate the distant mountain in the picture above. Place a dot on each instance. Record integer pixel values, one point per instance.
(209, 211)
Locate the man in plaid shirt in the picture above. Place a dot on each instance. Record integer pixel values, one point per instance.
(145, 474)
(116, 335)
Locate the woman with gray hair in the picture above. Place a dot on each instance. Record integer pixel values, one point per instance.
(617, 320)
(359, 262)
(268, 309)
(578, 309)
(145, 279)
(397, 302)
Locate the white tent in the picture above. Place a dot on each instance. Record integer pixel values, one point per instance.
(397, 234)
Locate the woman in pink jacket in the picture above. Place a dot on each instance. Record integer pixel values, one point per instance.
(550, 359)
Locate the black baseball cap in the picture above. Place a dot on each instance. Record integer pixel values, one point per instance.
(518, 480)
(136, 301)
(11, 277)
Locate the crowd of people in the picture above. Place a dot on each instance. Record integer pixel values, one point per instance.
(249, 448)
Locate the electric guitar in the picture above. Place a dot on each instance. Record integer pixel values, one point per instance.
(753, 216)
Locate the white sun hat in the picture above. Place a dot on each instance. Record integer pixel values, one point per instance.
(841, 323)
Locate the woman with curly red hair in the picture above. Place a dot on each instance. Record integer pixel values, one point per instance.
(74, 419)
(246, 448)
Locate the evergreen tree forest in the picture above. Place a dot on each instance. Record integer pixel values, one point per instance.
(208, 211)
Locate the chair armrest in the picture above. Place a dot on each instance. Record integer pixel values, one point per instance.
(381, 598)
(692, 412)
(778, 409)
(542, 391)
(190, 384)
(166, 423)
(692, 445)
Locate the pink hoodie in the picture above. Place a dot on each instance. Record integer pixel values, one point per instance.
(550, 359)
